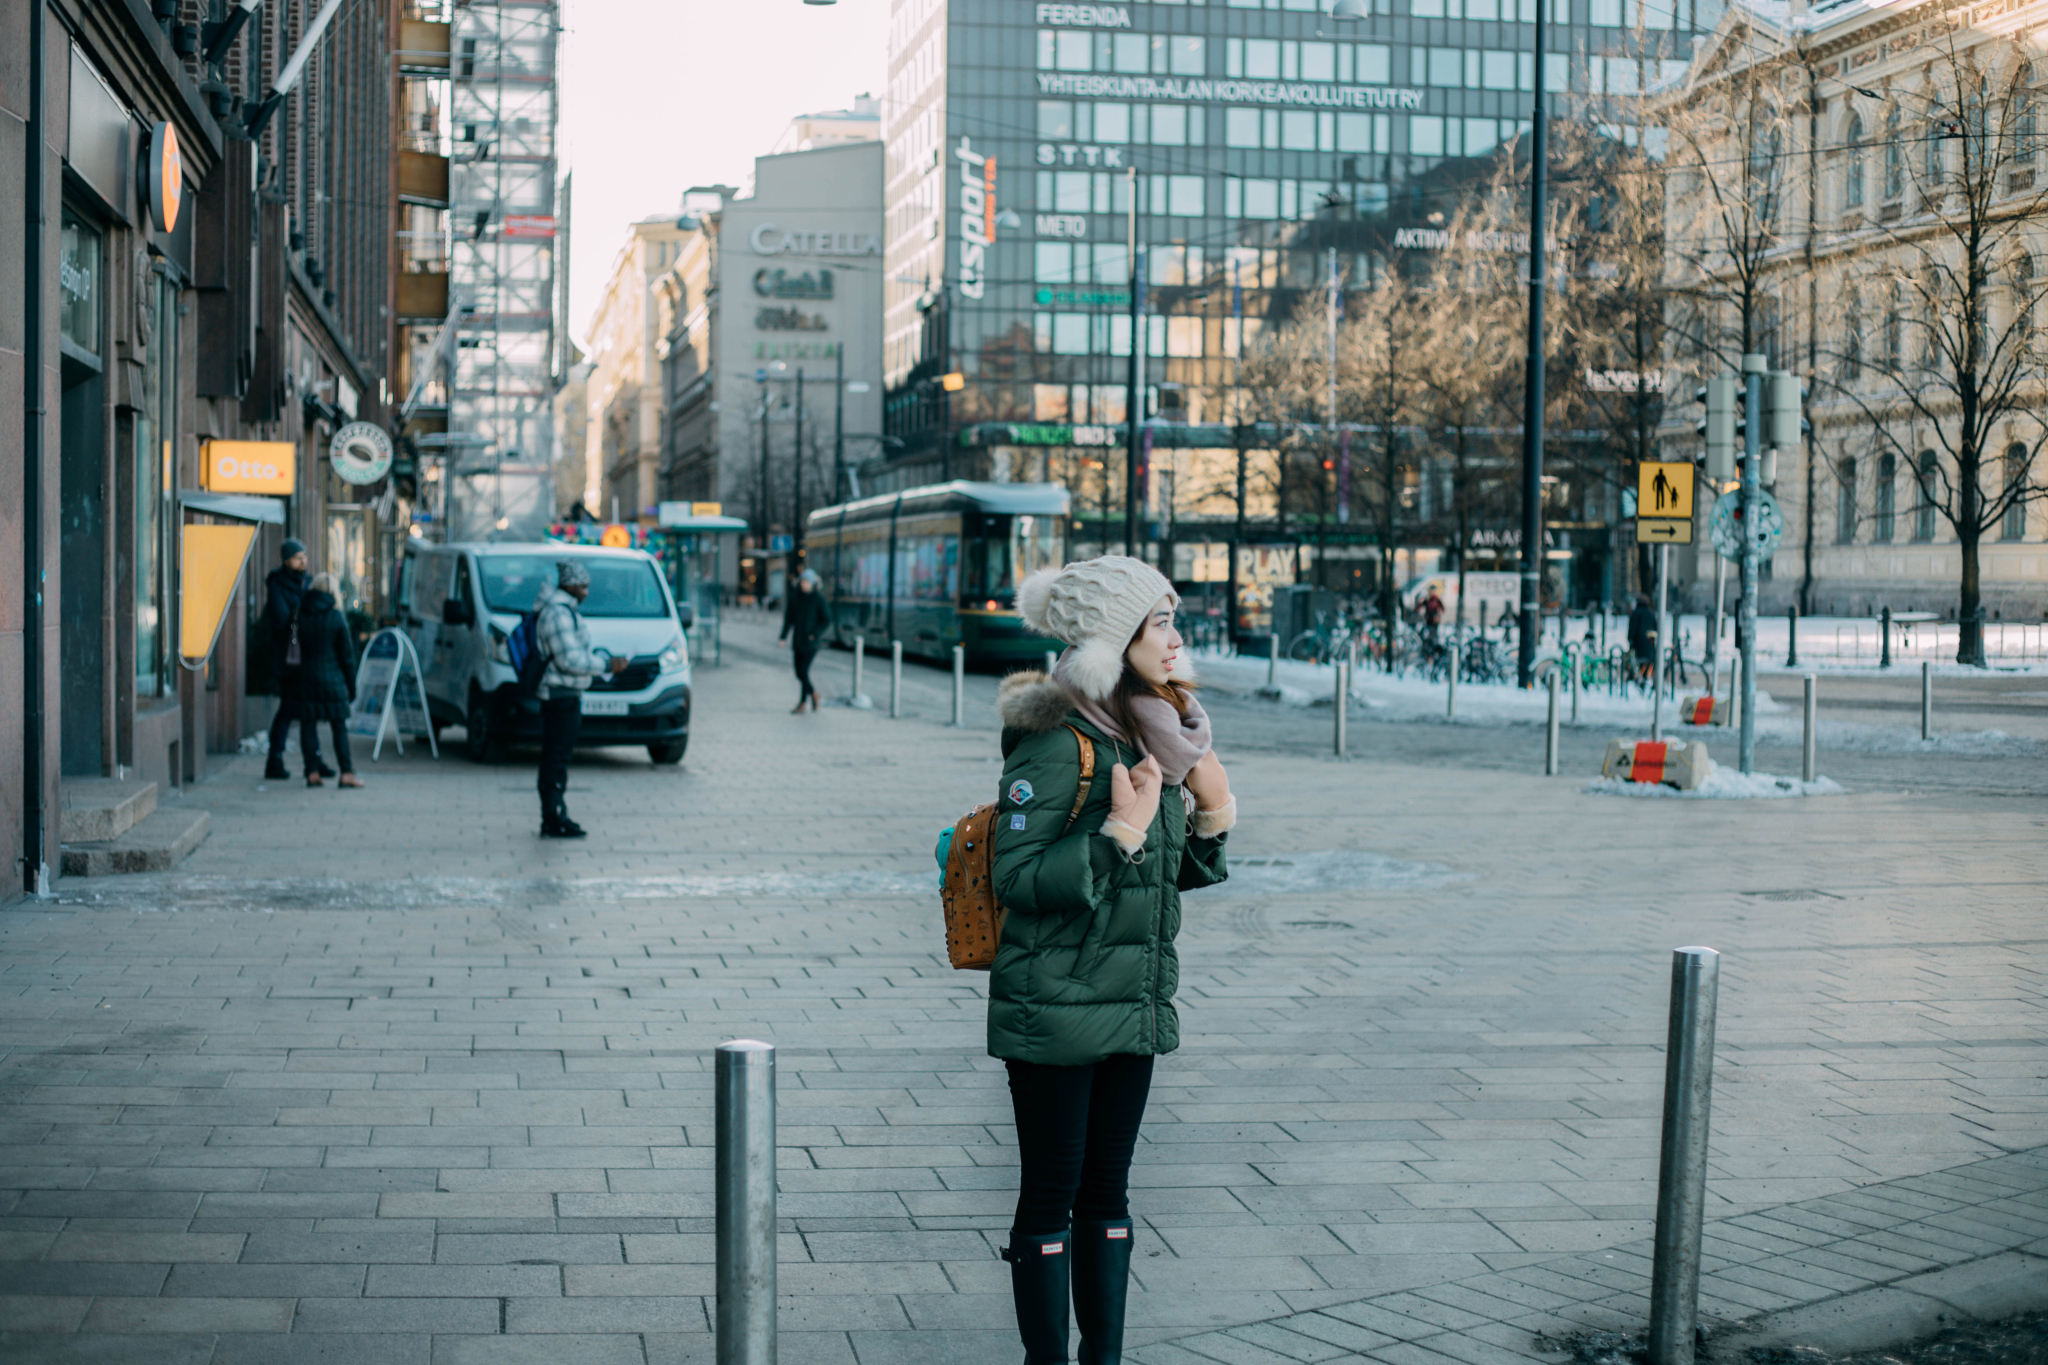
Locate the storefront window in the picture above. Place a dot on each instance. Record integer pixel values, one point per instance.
(78, 286)
(156, 426)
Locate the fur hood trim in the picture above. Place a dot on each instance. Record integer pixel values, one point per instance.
(1032, 702)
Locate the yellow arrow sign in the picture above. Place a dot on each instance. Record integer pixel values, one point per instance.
(1663, 531)
(1664, 489)
(213, 557)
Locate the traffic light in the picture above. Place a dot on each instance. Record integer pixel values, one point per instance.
(1783, 399)
(1719, 425)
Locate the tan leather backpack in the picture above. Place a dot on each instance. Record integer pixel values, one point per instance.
(974, 918)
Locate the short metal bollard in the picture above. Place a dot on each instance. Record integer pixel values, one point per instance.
(959, 686)
(1927, 699)
(1272, 658)
(1337, 702)
(1578, 673)
(895, 679)
(1550, 731)
(1792, 634)
(745, 1180)
(1451, 693)
(1884, 643)
(1682, 1165)
(860, 656)
(1809, 753)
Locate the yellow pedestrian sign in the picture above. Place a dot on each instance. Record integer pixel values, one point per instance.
(1664, 489)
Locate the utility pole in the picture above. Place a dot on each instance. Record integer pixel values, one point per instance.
(839, 422)
(1532, 399)
(796, 497)
(1134, 400)
(1752, 514)
(761, 376)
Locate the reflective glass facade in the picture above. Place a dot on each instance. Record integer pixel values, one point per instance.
(1255, 135)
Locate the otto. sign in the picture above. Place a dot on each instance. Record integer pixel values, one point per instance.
(249, 467)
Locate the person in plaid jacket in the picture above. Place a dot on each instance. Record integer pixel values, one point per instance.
(565, 641)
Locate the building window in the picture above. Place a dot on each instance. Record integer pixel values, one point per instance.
(1884, 524)
(1928, 471)
(1845, 503)
(1852, 337)
(1894, 157)
(2013, 526)
(1852, 179)
(1894, 330)
(2022, 130)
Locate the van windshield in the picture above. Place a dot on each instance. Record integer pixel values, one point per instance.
(618, 587)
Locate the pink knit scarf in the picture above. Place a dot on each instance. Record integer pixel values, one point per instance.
(1177, 741)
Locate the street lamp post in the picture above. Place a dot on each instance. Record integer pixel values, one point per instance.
(1532, 398)
(1134, 392)
(796, 500)
(839, 422)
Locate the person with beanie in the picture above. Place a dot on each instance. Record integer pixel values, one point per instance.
(805, 620)
(327, 679)
(572, 665)
(285, 589)
(1091, 873)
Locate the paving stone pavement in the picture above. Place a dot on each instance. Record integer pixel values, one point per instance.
(380, 1076)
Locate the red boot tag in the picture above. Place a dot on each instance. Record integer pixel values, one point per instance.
(1052, 1248)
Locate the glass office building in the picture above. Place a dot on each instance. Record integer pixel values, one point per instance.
(1255, 135)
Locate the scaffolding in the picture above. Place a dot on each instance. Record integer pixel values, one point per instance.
(502, 112)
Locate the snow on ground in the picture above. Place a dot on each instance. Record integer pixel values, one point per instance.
(1722, 784)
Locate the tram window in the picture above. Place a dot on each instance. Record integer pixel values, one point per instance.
(1005, 551)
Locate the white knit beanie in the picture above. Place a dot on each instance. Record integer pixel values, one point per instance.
(1096, 606)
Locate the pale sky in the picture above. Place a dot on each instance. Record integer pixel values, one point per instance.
(659, 95)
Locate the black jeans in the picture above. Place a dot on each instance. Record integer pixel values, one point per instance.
(287, 712)
(1076, 1128)
(803, 671)
(560, 719)
(309, 743)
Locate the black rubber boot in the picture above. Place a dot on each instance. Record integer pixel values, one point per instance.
(1038, 1283)
(273, 770)
(1102, 1283)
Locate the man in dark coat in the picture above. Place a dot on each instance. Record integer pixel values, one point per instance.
(1642, 635)
(805, 622)
(285, 591)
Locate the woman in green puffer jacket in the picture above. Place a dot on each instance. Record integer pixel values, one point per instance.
(1091, 871)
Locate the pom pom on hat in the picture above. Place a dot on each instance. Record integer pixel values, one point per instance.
(1096, 606)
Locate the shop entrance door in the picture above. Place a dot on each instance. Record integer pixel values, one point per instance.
(82, 509)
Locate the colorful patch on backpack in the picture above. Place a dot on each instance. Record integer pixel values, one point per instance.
(1017, 820)
(1020, 791)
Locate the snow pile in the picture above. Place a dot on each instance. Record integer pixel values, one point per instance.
(1723, 784)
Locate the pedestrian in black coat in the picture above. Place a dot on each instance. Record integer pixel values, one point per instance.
(285, 591)
(1642, 634)
(327, 678)
(805, 622)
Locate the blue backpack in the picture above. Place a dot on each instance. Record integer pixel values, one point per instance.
(528, 661)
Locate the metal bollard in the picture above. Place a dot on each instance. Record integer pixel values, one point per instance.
(895, 679)
(1337, 702)
(1451, 693)
(1927, 699)
(1272, 658)
(1884, 645)
(959, 686)
(1051, 662)
(745, 1180)
(860, 656)
(1578, 671)
(1792, 626)
(1808, 750)
(1550, 731)
(1682, 1167)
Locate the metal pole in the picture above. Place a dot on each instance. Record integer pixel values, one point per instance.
(895, 679)
(1752, 512)
(1927, 699)
(1657, 654)
(1550, 731)
(1714, 635)
(959, 686)
(1884, 648)
(1682, 1170)
(1792, 625)
(796, 495)
(1451, 694)
(1134, 393)
(745, 1085)
(860, 657)
(839, 422)
(1808, 749)
(1533, 384)
(35, 822)
(1272, 657)
(1343, 680)
(1577, 681)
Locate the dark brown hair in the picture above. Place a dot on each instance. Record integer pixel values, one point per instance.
(1130, 685)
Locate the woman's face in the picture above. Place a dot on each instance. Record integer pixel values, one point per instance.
(1154, 653)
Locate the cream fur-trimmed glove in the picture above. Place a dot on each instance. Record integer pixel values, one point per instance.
(1208, 824)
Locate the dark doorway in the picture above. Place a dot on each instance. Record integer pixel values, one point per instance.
(82, 508)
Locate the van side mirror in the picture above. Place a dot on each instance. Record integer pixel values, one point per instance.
(456, 612)
(686, 615)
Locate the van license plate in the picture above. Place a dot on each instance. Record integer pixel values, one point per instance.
(603, 706)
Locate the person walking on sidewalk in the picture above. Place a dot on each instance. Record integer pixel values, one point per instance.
(327, 679)
(1081, 991)
(1642, 636)
(285, 588)
(572, 664)
(805, 619)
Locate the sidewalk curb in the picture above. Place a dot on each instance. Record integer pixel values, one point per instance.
(1997, 1286)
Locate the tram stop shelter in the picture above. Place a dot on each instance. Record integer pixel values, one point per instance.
(695, 548)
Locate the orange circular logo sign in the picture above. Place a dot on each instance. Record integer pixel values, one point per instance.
(617, 537)
(164, 177)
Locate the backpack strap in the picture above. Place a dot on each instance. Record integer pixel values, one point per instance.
(1087, 776)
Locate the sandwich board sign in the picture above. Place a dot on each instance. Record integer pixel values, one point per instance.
(391, 695)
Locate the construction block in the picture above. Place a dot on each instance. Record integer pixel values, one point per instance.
(1703, 710)
(1676, 763)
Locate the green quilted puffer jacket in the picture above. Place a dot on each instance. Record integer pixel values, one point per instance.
(1086, 968)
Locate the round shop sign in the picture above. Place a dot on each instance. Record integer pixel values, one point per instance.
(361, 452)
(163, 177)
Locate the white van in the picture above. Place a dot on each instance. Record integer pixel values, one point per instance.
(460, 604)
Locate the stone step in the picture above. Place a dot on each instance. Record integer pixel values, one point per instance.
(96, 809)
(153, 845)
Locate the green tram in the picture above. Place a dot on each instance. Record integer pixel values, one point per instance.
(939, 566)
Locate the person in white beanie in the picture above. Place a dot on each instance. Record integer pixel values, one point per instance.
(1081, 991)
